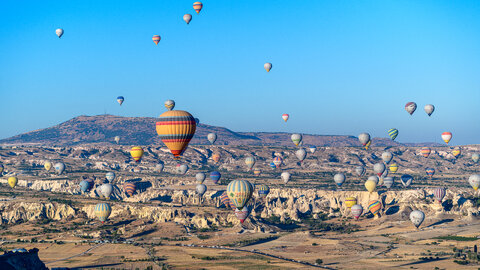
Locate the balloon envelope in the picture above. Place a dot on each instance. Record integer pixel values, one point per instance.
(59, 167)
(410, 107)
(457, 151)
(110, 176)
(387, 157)
(285, 117)
(59, 32)
(130, 188)
(474, 181)
(360, 170)
(277, 161)
(393, 167)
(249, 161)
(301, 154)
(117, 139)
(406, 180)
(267, 66)
(429, 108)
(379, 168)
(169, 104)
(370, 185)
(425, 152)
(197, 6)
(212, 137)
(47, 165)
(187, 18)
(120, 100)
(296, 138)
(430, 172)
(388, 182)
(263, 190)
(374, 207)
(176, 129)
(103, 211)
(182, 168)
(350, 201)
(215, 176)
(439, 193)
(357, 211)
(200, 177)
(417, 217)
(12, 181)
(364, 138)
(393, 133)
(339, 179)
(242, 214)
(239, 192)
(475, 157)
(446, 137)
(136, 152)
(156, 39)
(201, 189)
(312, 149)
(285, 177)
(225, 200)
(106, 190)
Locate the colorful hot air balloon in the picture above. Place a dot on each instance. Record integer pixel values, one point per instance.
(201, 189)
(216, 157)
(457, 151)
(357, 211)
(242, 214)
(12, 181)
(393, 133)
(379, 168)
(364, 138)
(257, 172)
(360, 170)
(267, 66)
(474, 181)
(136, 152)
(393, 167)
(339, 179)
(374, 207)
(350, 201)
(59, 167)
(106, 190)
(249, 161)
(86, 185)
(169, 104)
(47, 165)
(368, 145)
(225, 200)
(370, 185)
(120, 100)
(430, 172)
(301, 154)
(187, 18)
(197, 6)
(130, 188)
(285, 117)
(215, 176)
(103, 211)
(212, 137)
(475, 157)
(239, 192)
(439, 193)
(59, 32)
(429, 108)
(388, 182)
(263, 190)
(156, 39)
(446, 137)
(312, 149)
(425, 151)
(417, 217)
(285, 176)
(200, 177)
(277, 161)
(296, 138)
(410, 107)
(117, 139)
(406, 180)
(176, 129)
(387, 157)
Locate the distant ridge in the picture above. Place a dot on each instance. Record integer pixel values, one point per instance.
(141, 131)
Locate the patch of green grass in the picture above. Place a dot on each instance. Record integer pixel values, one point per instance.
(457, 238)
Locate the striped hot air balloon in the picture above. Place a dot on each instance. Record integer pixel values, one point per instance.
(249, 161)
(120, 100)
(197, 6)
(393, 133)
(242, 214)
(393, 167)
(176, 129)
(430, 172)
(263, 190)
(425, 152)
(374, 207)
(456, 152)
(350, 201)
(277, 161)
(239, 192)
(215, 176)
(225, 200)
(357, 211)
(410, 107)
(446, 137)
(136, 152)
(257, 172)
(156, 39)
(216, 157)
(103, 211)
(130, 188)
(439, 193)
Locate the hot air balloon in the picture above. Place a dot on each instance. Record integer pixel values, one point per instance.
(106, 190)
(474, 181)
(285, 176)
(374, 178)
(446, 137)
(267, 67)
(242, 214)
(197, 121)
(120, 100)
(425, 151)
(475, 157)
(430, 172)
(249, 161)
(47, 165)
(110, 176)
(169, 104)
(312, 149)
(388, 182)
(379, 168)
(429, 108)
(212, 137)
(410, 107)
(187, 18)
(201, 189)
(296, 138)
(59, 167)
(239, 192)
(364, 138)
(200, 177)
(197, 6)
(368, 145)
(374, 207)
(117, 139)
(357, 211)
(350, 201)
(417, 217)
(272, 165)
(339, 179)
(176, 129)
(225, 200)
(130, 188)
(136, 152)
(216, 157)
(86, 185)
(257, 172)
(1, 169)
(457, 151)
(387, 157)
(393, 133)
(393, 167)
(360, 170)
(12, 181)
(159, 167)
(370, 185)
(215, 176)
(277, 161)
(406, 180)
(263, 190)
(182, 168)
(439, 193)
(59, 32)
(301, 154)
(156, 39)
(103, 211)
(285, 117)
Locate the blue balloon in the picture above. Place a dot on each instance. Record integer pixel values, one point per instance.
(215, 176)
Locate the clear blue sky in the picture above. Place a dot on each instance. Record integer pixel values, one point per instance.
(339, 67)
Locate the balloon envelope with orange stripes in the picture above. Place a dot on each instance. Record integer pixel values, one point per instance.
(176, 129)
